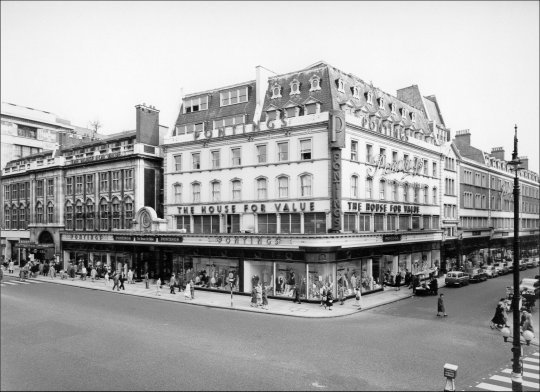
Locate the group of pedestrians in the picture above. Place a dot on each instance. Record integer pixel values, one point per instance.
(259, 296)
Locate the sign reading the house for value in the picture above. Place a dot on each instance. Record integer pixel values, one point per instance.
(383, 208)
(391, 237)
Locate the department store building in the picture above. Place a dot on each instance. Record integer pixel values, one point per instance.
(305, 178)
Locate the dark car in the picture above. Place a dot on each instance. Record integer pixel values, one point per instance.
(477, 275)
(502, 267)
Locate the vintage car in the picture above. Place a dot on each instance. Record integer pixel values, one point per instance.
(501, 266)
(522, 264)
(456, 278)
(477, 275)
(529, 285)
(530, 263)
(491, 272)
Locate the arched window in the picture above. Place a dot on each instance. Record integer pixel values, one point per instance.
(295, 87)
(283, 186)
(103, 215)
(262, 189)
(196, 192)
(90, 211)
(7, 217)
(14, 217)
(315, 83)
(115, 213)
(354, 187)
(416, 194)
(305, 185)
(128, 207)
(369, 188)
(276, 91)
(39, 212)
(69, 215)
(79, 215)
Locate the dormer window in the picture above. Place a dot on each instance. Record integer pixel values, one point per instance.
(315, 82)
(276, 91)
(393, 106)
(295, 87)
(292, 111)
(404, 113)
(340, 86)
(356, 92)
(195, 104)
(381, 103)
(413, 117)
(369, 97)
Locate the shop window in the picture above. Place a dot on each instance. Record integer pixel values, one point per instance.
(391, 222)
(206, 224)
(378, 220)
(214, 273)
(364, 222)
(314, 223)
(233, 223)
(267, 223)
(290, 223)
(183, 222)
(287, 276)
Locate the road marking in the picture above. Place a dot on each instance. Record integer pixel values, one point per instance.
(492, 387)
(35, 281)
(535, 360)
(11, 283)
(525, 374)
(509, 380)
(527, 366)
(317, 385)
(23, 283)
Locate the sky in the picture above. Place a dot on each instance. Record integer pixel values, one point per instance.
(88, 61)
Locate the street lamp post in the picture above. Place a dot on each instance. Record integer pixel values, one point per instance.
(517, 380)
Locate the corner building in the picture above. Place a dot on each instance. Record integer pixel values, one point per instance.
(305, 178)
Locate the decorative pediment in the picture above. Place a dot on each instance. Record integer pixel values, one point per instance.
(311, 100)
(291, 104)
(271, 107)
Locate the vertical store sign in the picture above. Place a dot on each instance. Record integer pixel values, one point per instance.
(336, 138)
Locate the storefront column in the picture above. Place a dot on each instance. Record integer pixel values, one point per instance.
(301, 223)
(66, 259)
(395, 265)
(108, 259)
(91, 258)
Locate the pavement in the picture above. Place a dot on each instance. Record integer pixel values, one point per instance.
(220, 299)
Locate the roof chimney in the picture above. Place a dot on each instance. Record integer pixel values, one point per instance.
(463, 138)
(498, 152)
(524, 163)
(147, 124)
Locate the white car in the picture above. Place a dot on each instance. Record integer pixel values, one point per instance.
(497, 268)
(530, 285)
(491, 272)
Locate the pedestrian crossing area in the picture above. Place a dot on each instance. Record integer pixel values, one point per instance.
(503, 381)
(17, 282)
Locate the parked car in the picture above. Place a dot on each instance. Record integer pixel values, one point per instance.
(501, 266)
(522, 264)
(510, 265)
(530, 285)
(491, 272)
(530, 263)
(477, 275)
(456, 278)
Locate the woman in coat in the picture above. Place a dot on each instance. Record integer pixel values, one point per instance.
(499, 319)
(253, 297)
(329, 298)
(264, 298)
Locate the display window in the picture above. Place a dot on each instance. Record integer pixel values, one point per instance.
(389, 265)
(213, 273)
(257, 271)
(371, 274)
(349, 275)
(320, 274)
(287, 276)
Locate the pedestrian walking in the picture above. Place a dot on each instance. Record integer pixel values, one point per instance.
(83, 273)
(93, 273)
(264, 297)
(171, 284)
(440, 306)
(11, 266)
(340, 293)
(323, 295)
(52, 272)
(192, 289)
(116, 282)
(122, 279)
(296, 294)
(415, 284)
(146, 283)
(187, 291)
(499, 319)
(358, 297)
(398, 281)
(329, 298)
(259, 295)
(107, 279)
(253, 297)
(130, 276)
(527, 322)
(158, 286)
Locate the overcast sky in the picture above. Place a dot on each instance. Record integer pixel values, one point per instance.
(88, 61)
